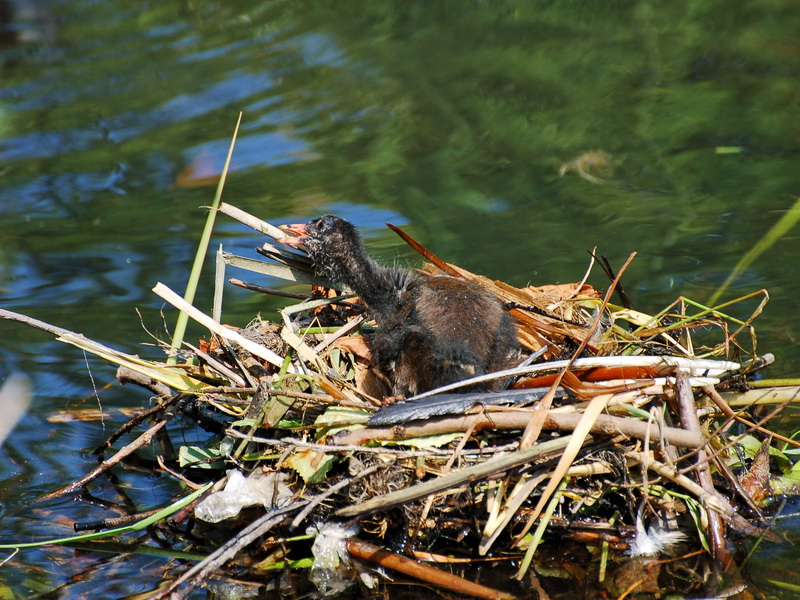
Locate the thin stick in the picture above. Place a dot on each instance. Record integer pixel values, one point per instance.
(58, 331)
(104, 466)
(319, 498)
(726, 410)
(265, 290)
(367, 449)
(165, 403)
(710, 499)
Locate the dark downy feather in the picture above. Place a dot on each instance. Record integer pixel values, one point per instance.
(431, 330)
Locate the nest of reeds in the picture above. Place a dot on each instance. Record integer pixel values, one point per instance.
(621, 435)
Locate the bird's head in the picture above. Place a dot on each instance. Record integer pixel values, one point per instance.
(332, 243)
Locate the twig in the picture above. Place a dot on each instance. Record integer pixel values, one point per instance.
(726, 410)
(163, 404)
(368, 449)
(113, 522)
(319, 498)
(127, 375)
(709, 499)
(104, 466)
(270, 291)
(190, 484)
(218, 366)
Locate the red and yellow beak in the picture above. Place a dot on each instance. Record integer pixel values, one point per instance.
(296, 240)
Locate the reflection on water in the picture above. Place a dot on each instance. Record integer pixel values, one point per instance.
(452, 120)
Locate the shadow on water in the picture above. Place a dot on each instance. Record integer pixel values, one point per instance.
(451, 119)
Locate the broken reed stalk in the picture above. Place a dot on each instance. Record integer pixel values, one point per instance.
(688, 415)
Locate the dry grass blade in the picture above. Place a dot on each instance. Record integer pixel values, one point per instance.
(576, 441)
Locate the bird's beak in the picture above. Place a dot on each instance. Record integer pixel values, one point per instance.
(296, 240)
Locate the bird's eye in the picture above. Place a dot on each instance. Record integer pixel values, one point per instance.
(325, 224)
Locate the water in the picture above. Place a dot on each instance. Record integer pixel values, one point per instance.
(450, 119)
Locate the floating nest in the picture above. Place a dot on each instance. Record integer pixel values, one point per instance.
(628, 452)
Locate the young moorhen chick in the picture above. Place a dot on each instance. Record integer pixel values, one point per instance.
(431, 330)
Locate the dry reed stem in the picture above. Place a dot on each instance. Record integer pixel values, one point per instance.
(688, 415)
(478, 472)
(517, 419)
(175, 300)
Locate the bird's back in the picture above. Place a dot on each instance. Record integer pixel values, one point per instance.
(446, 330)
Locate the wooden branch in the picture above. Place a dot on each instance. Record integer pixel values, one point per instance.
(127, 375)
(713, 499)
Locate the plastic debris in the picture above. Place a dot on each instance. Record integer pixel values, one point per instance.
(331, 571)
(268, 490)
